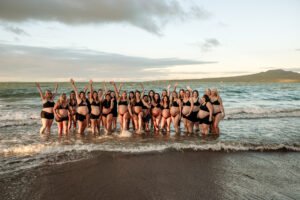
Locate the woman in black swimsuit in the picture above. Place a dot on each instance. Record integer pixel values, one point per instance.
(124, 108)
(138, 111)
(218, 110)
(205, 114)
(47, 115)
(73, 107)
(82, 108)
(187, 109)
(165, 114)
(62, 113)
(156, 111)
(146, 112)
(175, 110)
(95, 110)
(107, 115)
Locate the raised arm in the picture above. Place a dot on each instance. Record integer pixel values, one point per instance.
(55, 91)
(189, 89)
(168, 90)
(105, 88)
(116, 89)
(75, 90)
(143, 90)
(175, 86)
(120, 87)
(91, 89)
(145, 103)
(40, 91)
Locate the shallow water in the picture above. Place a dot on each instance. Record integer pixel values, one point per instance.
(259, 117)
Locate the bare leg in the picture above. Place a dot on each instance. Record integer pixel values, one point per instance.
(109, 122)
(168, 124)
(65, 127)
(140, 118)
(44, 125)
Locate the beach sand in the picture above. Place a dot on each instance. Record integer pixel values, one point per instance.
(162, 175)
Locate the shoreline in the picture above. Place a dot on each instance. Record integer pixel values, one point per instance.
(162, 175)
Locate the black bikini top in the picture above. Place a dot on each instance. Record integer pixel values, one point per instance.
(106, 104)
(140, 103)
(72, 104)
(48, 104)
(197, 103)
(125, 103)
(167, 107)
(94, 103)
(61, 107)
(188, 103)
(144, 107)
(204, 107)
(82, 103)
(215, 102)
(175, 104)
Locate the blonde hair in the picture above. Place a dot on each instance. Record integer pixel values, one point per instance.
(215, 90)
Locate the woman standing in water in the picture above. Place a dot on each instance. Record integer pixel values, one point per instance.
(205, 114)
(175, 110)
(138, 111)
(107, 115)
(123, 107)
(47, 115)
(218, 110)
(95, 110)
(165, 114)
(146, 112)
(156, 111)
(82, 108)
(62, 113)
(187, 109)
(73, 107)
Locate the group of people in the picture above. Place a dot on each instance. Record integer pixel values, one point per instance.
(135, 109)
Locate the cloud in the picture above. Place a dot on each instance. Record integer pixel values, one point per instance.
(210, 43)
(297, 49)
(38, 63)
(149, 15)
(15, 30)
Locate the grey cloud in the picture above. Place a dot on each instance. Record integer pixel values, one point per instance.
(297, 49)
(38, 62)
(209, 44)
(149, 15)
(15, 30)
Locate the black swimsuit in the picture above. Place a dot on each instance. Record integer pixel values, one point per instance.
(46, 115)
(81, 117)
(106, 104)
(94, 103)
(217, 103)
(190, 117)
(205, 120)
(65, 118)
(175, 104)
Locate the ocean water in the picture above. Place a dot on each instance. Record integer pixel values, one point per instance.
(259, 117)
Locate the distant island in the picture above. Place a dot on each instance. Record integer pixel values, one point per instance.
(276, 76)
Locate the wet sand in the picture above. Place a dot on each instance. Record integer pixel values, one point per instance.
(165, 175)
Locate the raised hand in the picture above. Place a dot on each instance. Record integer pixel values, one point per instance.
(72, 81)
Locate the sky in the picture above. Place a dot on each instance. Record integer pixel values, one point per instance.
(136, 40)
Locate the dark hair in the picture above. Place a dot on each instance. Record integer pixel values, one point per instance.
(168, 99)
(81, 92)
(158, 100)
(181, 90)
(206, 97)
(72, 91)
(196, 92)
(100, 90)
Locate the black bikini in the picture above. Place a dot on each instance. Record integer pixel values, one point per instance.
(217, 103)
(124, 103)
(205, 120)
(106, 104)
(65, 118)
(94, 103)
(175, 104)
(47, 115)
(81, 117)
